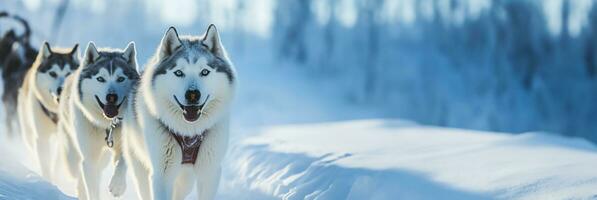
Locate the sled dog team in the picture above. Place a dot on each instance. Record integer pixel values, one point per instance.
(166, 124)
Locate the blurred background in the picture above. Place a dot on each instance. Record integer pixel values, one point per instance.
(502, 65)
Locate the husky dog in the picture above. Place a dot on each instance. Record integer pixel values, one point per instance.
(39, 96)
(176, 134)
(91, 105)
(16, 57)
(16, 65)
(11, 37)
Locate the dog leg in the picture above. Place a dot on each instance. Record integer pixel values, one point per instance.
(90, 169)
(207, 183)
(44, 155)
(141, 178)
(82, 194)
(160, 185)
(184, 183)
(74, 158)
(118, 181)
(25, 125)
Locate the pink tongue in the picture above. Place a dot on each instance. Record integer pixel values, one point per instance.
(110, 111)
(191, 113)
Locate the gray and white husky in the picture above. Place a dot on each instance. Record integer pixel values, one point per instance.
(38, 101)
(176, 133)
(93, 101)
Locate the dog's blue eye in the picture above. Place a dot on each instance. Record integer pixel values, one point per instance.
(178, 73)
(120, 79)
(101, 79)
(53, 74)
(204, 72)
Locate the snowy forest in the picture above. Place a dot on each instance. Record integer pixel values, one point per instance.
(498, 66)
(453, 63)
(526, 68)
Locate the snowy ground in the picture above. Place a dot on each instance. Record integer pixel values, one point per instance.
(389, 159)
(381, 159)
(289, 142)
(19, 182)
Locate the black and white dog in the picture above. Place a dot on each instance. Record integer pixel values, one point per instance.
(94, 98)
(16, 57)
(176, 131)
(38, 101)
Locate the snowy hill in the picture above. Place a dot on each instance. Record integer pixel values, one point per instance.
(388, 159)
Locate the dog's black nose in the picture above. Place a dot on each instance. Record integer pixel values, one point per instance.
(59, 90)
(192, 96)
(111, 98)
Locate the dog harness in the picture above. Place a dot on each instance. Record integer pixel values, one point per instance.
(189, 146)
(52, 115)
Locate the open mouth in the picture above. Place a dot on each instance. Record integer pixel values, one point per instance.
(110, 110)
(191, 112)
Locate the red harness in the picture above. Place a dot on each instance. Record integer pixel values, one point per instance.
(189, 146)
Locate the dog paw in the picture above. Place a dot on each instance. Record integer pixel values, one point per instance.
(117, 186)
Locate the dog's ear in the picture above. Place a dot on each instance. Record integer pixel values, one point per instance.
(10, 34)
(74, 53)
(45, 50)
(130, 53)
(91, 54)
(212, 41)
(170, 43)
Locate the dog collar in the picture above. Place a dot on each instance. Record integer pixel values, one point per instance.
(52, 115)
(189, 145)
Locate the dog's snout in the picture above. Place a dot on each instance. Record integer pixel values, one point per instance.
(59, 90)
(111, 98)
(193, 96)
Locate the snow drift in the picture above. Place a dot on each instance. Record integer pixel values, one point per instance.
(389, 159)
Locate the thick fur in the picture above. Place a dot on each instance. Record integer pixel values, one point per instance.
(152, 153)
(84, 121)
(16, 57)
(39, 98)
(10, 37)
(16, 65)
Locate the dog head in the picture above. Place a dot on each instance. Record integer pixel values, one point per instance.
(105, 80)
(52, 67)
(192, 80)
(6, 43)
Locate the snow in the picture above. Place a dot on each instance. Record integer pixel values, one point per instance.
(378, 159)
(318, 152)
(323, 86)
(391, 159)
(19, 182)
